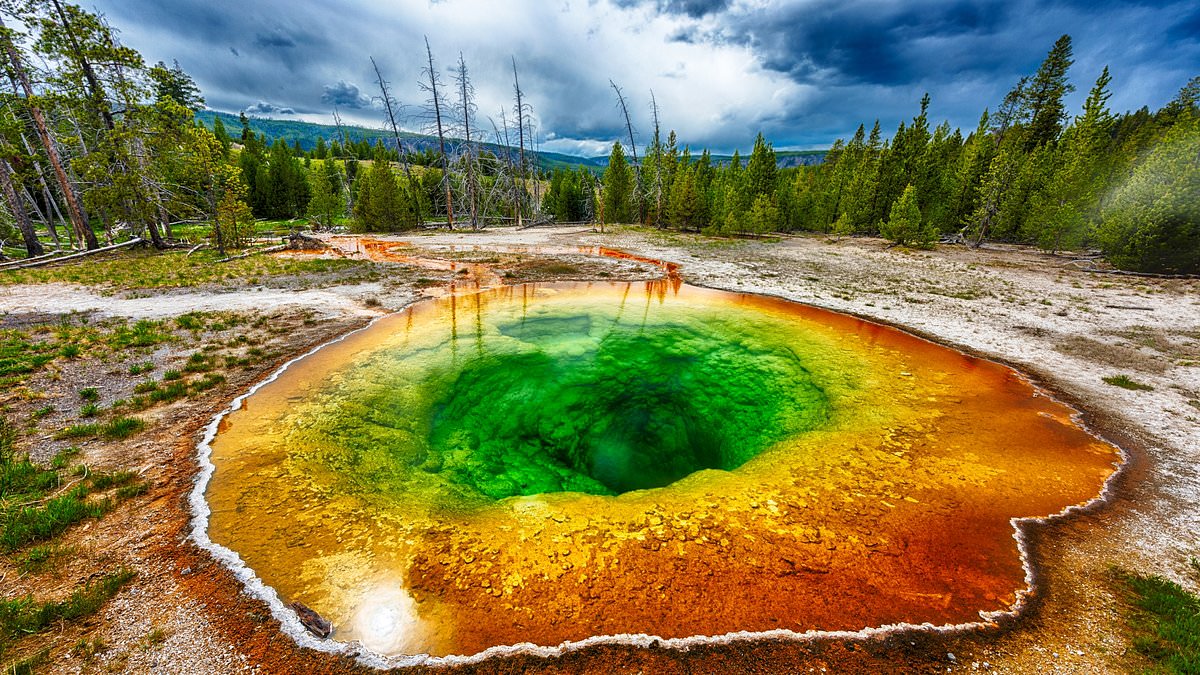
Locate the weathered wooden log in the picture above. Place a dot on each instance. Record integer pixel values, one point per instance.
(312, 622)
(76, 256)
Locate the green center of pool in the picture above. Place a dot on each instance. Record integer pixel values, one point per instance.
(639, 409)
(592, 397)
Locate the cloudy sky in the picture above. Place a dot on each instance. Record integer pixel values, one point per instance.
(803, 72)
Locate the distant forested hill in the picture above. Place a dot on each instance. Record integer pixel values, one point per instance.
(307, 133)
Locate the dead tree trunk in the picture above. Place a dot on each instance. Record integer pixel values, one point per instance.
(388, 104)
(521, 141)
(337, 119)
(437, 115)
(637, 166)
(466, 92)
(33, 247)
(658, 160)
(78, 217)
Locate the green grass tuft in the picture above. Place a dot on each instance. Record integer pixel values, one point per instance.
(122, 427)
(1124, 382)
(1166, 624)
(23, 616)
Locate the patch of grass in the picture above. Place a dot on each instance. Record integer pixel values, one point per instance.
(88, 649)
(174, 269)
(198, 363)
(139, 368)
(190, 321)
(89, 410)
(23, 616)
(1125, 382)
(29, 524)
(1166, 622)
(173, 391)
(122, 427)
(127, 492)
(70, 351)
(103, 481)
(207, 382)
(156, 636)
(145, 387)
(171, 375)
(89, 394)
(78, 431)
(42, 412)
(64, 457)
(144, 333)
(30, 664)
(44, 558)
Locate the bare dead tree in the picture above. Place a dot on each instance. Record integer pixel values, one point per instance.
(78, 216)
(337, 120)
(466, 109)
(512, 176)
(637, 166)
(432, 87)
(658, 160)
(16, 207)
(390, 104)
(521, 114)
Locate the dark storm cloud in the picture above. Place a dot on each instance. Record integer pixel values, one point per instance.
(273, 40)
(804, 72)
(345, 95)
(693, 8)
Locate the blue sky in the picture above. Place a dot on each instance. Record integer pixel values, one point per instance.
(802, 72)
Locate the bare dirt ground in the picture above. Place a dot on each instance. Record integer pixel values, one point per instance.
(185, 613)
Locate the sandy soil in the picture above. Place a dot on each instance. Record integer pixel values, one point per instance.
(185, 613)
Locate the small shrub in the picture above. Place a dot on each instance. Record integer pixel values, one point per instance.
(139, 368)
(189, 322)
(70, 351)
(89, 394)
(171, 375)
(89, 410)
(145, 387)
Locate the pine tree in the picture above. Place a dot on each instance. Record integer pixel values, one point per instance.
(618, 189)
(761, 170)
(325, 205)
(1044, 95)
(904, 225)
(1152, 223)
(686, 207)
(1062, 210)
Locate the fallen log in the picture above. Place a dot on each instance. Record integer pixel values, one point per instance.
(269, 249)
(75, 256)
(312, 622)
(1146, 275)
(10, 264)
